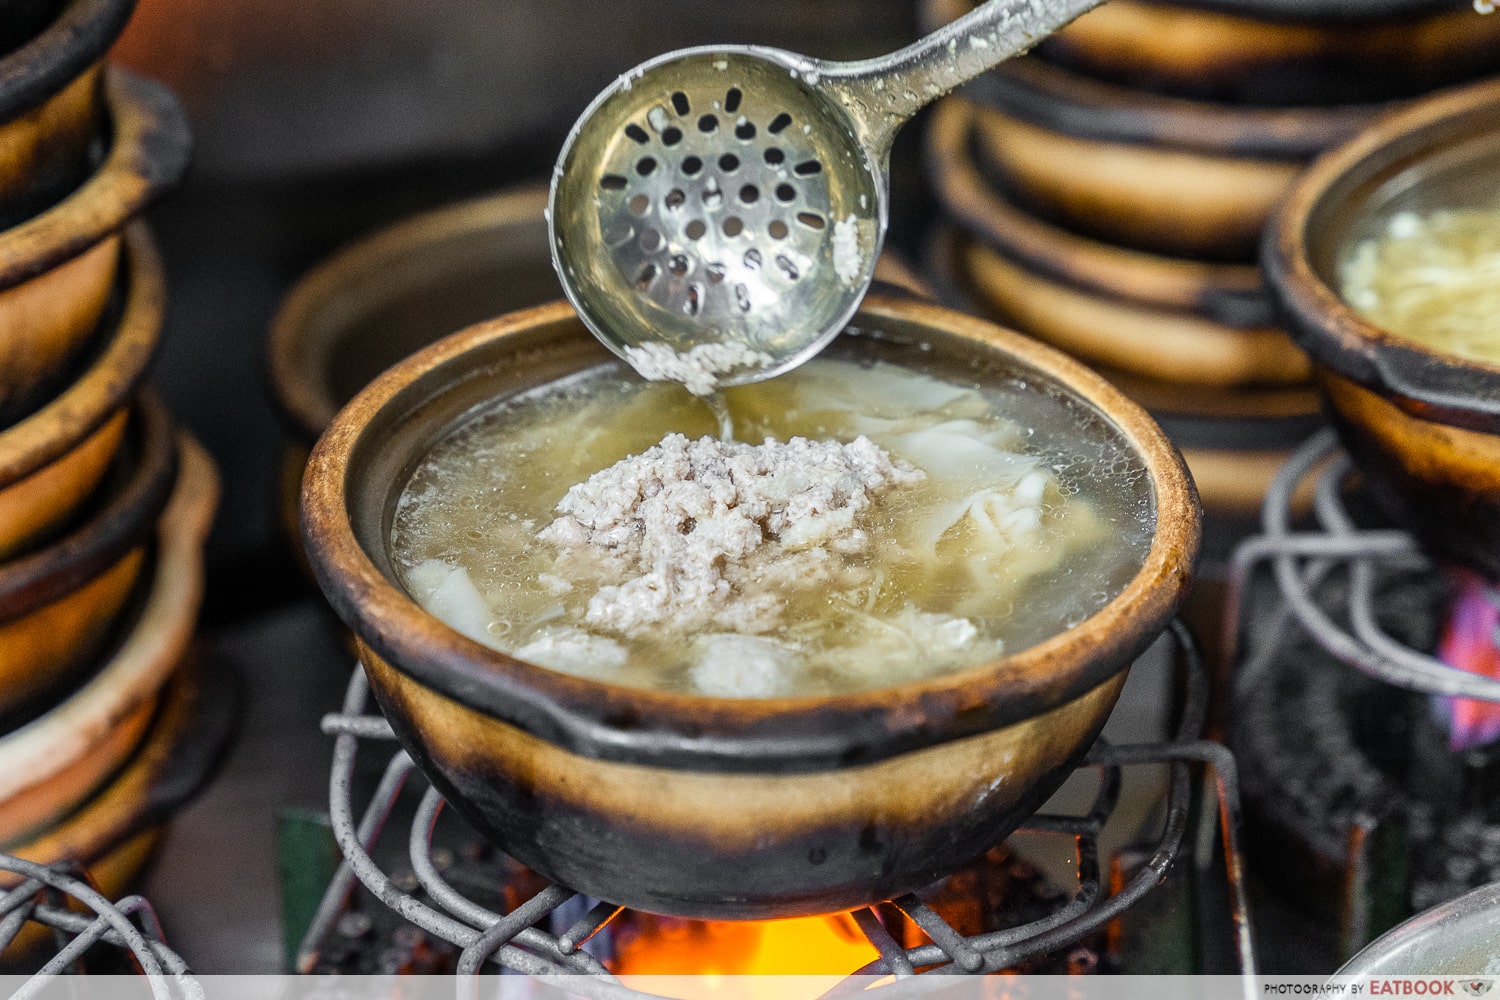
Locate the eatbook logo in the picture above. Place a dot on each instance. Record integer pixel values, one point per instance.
(1477, 987)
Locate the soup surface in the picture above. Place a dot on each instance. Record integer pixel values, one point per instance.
(598, 526)
(1433, 277)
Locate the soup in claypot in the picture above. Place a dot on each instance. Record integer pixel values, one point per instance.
(869, 525)
(1433, 277)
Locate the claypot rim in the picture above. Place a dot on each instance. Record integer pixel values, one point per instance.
(36, 579)
(81, 33)
(147, 788)
(296, 358)
(774, 735)
(1072, 103)
(147, 155)
(944, 245)
(1231, 294)
(153, 644)
(1422, 381)
(56, 428)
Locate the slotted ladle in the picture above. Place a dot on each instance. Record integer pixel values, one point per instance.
(724, 206)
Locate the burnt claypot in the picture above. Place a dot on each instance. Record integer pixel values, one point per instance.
(52, 763)
(51, 461)
(52, 114)
(1423, 426)
(111, 837)
(57, 267)
(705, 807)
(1159, 317)
(60, 604)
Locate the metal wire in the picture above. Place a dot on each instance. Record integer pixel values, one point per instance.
(516, 941)
(41, 898)
(1301, 561)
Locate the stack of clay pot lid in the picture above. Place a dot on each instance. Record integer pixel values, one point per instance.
(391, 293)
(1108, 194)
(104, 504)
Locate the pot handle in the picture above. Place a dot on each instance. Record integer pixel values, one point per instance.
(1450, 394)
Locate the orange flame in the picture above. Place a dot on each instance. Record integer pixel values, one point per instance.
(1469, 643)
(801, 946)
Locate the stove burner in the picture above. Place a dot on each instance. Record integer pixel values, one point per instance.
(910, 935)
(1349, 772)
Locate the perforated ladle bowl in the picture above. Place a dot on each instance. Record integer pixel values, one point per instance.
(736, 196)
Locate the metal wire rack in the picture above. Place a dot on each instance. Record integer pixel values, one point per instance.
(515, 941)
(128, 925)
(1301, 561)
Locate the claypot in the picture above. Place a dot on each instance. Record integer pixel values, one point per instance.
(60, 604)
(51, 462)
(706, 807)
(1162, 318)
(51, 98)
(57, 267)
(1340, 53)
(111, 836)
(1158, 174)
(1423, 426)
(51, 764)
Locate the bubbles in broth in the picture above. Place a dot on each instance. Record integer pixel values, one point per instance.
(1029, 512)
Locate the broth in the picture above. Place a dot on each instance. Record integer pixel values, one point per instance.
(1030, 513)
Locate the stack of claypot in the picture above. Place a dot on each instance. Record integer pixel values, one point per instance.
(103, 504)
(1109, 193)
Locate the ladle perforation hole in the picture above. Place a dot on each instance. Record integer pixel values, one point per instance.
(785, 193)
(733, 226)
(787, 267)
(637, 133)
(753, 259)
(638, 204)
(716, 273)
(774, 156)
(707, 123)
(749, 194)
(691, 166)
(745, 131)
(812, 220)
(778, 123)
(732, 99)
(808, 168)
(729, 163)
(713, 196)
(613, 182)
(680, 103)
(742, 297)
(647, 275)
(671, 135)
(675, 199)
(645, 166)
(650, 239)
(619, 233)
(778, 230)
(694, 300)
(678, 265)
(695, 229)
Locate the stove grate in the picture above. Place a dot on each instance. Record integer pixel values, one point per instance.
(514, 942)
(1301, 561)
(128, 925)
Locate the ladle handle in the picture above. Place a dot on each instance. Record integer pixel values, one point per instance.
(883, 93)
